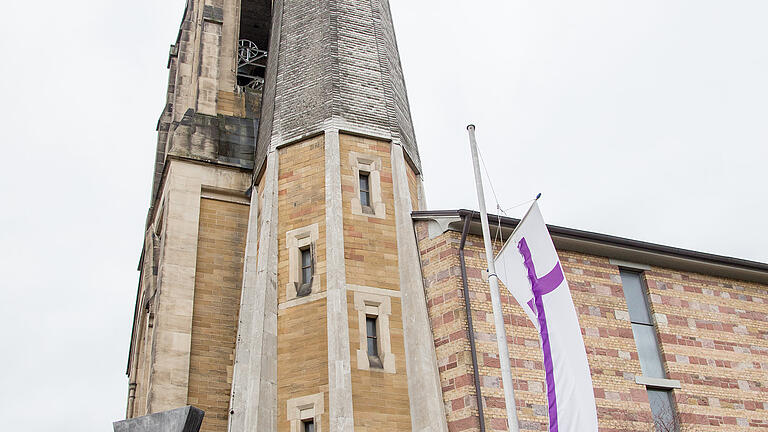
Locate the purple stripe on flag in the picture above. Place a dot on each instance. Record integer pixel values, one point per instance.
(541, 286)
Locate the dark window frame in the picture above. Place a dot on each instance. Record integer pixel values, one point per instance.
(372, 341)
(308, 425)
(365, 192)
(306, 271)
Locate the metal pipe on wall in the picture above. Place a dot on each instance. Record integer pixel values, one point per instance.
(470, 327)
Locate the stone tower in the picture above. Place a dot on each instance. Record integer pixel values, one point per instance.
(281, 287)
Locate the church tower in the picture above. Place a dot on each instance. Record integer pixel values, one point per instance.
(281, 286)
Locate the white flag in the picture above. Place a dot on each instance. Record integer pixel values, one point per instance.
(530, 268)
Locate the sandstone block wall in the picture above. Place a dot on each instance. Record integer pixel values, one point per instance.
(380, 399)
(713, 334)
(302, 353)
(218, 280)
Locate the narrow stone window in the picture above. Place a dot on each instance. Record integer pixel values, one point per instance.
(375, 350)
(365, 191)
(642, 326)
(367, 200)
(305, 413)
(301, 244)
(307, 270)
(654, 377)
(373, 342)
(308, 425)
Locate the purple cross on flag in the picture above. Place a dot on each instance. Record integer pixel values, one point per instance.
(529, 267)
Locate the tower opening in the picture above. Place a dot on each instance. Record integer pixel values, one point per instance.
(253, 40)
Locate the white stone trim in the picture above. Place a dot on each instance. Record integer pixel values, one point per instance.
(629, 265)
(305, 408)
(372, 165)
(657, 382)
(341, 416)
(375, 291)
(424, 389)
(296, 240)
(253, 403)
(298, 301)
(226, 195)
(380, 306)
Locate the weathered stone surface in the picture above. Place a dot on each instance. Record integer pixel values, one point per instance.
(187, 419)
(334, 62)
(221, 139)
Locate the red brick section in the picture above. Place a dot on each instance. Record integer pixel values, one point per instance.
(713, 331)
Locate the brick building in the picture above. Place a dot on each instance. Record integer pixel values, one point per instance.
(708, 316)
(292, 279)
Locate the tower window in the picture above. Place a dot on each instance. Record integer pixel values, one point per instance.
(373, 342)
(305, 286)
(302, 259)
(366, 175)
(308, 425)
(365, 189)
(373, 319)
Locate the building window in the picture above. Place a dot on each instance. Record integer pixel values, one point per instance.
(654, 377)
(367, 200)
(307, 270)
(664, 415)
(305, 413)
(642, 326)
(373, 343)
(375, 350)
(365, 191)
(308, 425)
(302, 257)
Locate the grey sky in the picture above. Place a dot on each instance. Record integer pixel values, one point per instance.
(640, 119)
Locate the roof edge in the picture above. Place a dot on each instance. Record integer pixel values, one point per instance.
(623, 248)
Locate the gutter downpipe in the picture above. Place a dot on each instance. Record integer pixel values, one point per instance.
(470, 328)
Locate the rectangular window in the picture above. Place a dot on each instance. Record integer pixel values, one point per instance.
(664, 417)
(373, 342)
(642, 326)
(306, 266)
(373, 347)
(660, 399)
(365, 189)
(308, 425)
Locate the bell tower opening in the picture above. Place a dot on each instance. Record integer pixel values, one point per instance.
(253, 40)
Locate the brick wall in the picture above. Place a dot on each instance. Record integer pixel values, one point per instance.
(370, 243)
(302, 347)
(380, 399)
(713, 333)
(218, 280)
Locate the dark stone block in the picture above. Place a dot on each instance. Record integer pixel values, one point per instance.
(187, 419)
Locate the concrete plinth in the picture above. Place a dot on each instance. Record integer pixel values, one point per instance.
(187, 419)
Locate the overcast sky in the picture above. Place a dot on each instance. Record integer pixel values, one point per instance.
(643, 119)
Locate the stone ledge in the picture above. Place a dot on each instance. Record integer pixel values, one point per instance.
(187, 419)
(657, 382)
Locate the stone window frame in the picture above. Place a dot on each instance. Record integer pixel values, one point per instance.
(379, 306)
(306, 408)
(295, 241)
(371, 165)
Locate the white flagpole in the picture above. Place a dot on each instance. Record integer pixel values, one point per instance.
(498, 316)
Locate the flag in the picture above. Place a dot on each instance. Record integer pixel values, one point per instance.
(529, 267)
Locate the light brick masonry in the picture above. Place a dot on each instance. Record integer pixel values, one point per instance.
(713, 334)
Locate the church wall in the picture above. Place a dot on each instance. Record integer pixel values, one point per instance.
(380, 398)
(302, 353)
(370, 243)
(163, 358)
(218, 281)
(712, 334)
